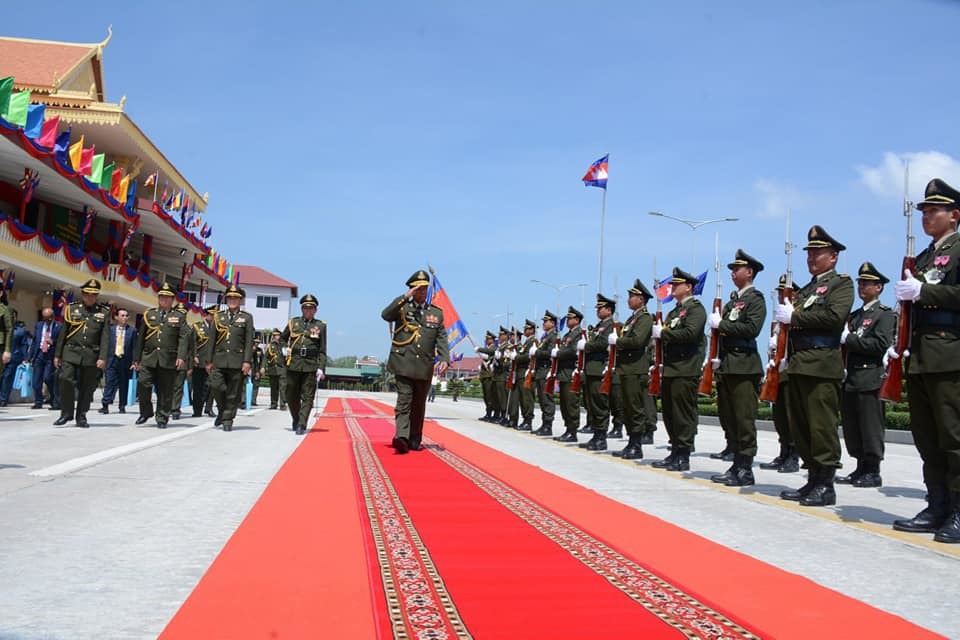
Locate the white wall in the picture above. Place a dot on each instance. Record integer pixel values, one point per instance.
(269, 318)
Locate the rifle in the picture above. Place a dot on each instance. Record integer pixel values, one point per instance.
(611, 365)
(655, 384)
(577, 381)
(706, 380)
(512, 374)
(893, 380)
(551, 377)
(772, 383)
(528, 377)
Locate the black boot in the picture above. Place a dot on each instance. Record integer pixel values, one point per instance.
(616, 432)
(681, 462)
(822, 494)
(791, 463)
(776, 462)
(526, 425)
(859, 471)
(930, 519)
(743, 476)
(586, 429)
(570, 435)
(799, 494)
(949, 531)
(870, 478)
(666, 462)
(726, 455)
(633, 450)
(647, 438)
(599, 443)
(545, 430)
(593, 438)
(729, 474)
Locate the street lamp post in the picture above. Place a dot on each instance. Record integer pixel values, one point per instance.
(694, 225)
(558, 289)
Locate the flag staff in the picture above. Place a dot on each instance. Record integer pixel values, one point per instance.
(597, 177)
(603, 217)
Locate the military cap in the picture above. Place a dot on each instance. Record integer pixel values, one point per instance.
(818, 238)
(210, 309)
(233, 291)
(529, 324)
(309, 300)
(869, 272)
(181, 307)
(744, 259)
(90, 286)
(418, 279)
(503, 329)
(604, 301)
(276, 332)
(939, 192)
(638, 289)
(166, 290)
(781, 285)
(490, 336)
(573, 312)
(549, 315)
(682, 277)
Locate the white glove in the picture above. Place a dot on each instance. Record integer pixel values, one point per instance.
(650, 370)
(715, 364)
(476, 348)
(285, 351)
(657, 330)
(784, 312)
(605, 369)
(483, 356)
(843, 336)
(772, 344)
(532, 351)
(891, 354)
(581, 344)
(612, 338)
(511, 355)
(784, 364)
(554, 352)
(497, 354)
(320, 375)
(715, 319)
(908, 288)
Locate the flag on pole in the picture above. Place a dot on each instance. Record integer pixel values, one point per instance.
(34, 126)
(48, 132)
(17, 108)
(76, 154)
(701, 282)
(96, 168)
(662, 290)
(6, 88)
(151, 179)
(456, 330)
(28, 183)
(596, 175)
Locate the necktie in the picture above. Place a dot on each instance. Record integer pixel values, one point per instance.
(163, 316)
(118, 351)
(45, 340)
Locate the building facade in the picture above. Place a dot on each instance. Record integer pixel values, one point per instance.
(271, 299)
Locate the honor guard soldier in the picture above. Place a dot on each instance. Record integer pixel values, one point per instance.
(160, 353)
(419, 341)
(485, 354)
(514, 379)
(739, 368)
(203, 331)
(633, 369)
(184, 374)
(229, 356)
(306, 337)
(501, 369)
(6, 335)
(816, 367)
(541, 371)
(933, 367)
(787, 461)
(526, 350)
(82, 348)
(867, 336)
(567, 355)
(683, 347)
(275, 366)
(596, 350)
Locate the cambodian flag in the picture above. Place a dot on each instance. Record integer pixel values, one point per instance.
(597, 173)
(456, 330)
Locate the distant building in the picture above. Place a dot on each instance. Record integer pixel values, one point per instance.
(270, 298)
(468, 367)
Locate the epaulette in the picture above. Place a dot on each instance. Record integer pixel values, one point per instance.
(884, 307)
(843, 275)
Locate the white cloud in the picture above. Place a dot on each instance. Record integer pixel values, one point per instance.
(886, 179)
(777, 198)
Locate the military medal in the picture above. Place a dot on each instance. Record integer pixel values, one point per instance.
(809, 302)
(735, 312)
(674, 323)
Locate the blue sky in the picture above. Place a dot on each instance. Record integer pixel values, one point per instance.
(345, 145)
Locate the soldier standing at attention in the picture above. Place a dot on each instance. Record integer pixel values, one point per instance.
(160, 353)
(275, 366)
(566, 354)
(739, 368)
(683, 348)
(229, 356)
(816, 367)
(184, 374)
(203, 332)
(513, 394)
(633, 365)
(419, 340)
(486, 376)
(6, 335)
(596, 349)
(525, 351)
(82, 348)
(933, 368)
(787, 460)
(501, 369)
(306, 360)
(541, 370)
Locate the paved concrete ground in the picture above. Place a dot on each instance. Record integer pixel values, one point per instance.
(104, 532)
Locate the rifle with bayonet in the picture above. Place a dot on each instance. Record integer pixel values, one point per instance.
(655, 382)
(706, 379)
(891, 389)
(771, 385)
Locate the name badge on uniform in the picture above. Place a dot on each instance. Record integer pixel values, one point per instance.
(933, 276)
(314, 332)
(432, 317)
(240, 322)
(675, 323)
(735, 312)
(809, 302)
(173, 320)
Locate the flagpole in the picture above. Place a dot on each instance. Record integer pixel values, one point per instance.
(156, 183)
(603, 217)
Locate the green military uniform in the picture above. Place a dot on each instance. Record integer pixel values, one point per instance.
(486, 377)
(541, 370)
(933, 368)
(870, 331)
(513, 381)
(82, 347)
(501, 369)
(683, 343)
(160, 345)
(567, 356)
(816, 369)
(256, 362)
(227, 353)
(633, 372)
(275, 366)
(307, 344)
(6, 333)
(739, 370)
(523, 392)
(203, 331)
(182, 375)
(419, 342)
(596, 353)
(786, 461)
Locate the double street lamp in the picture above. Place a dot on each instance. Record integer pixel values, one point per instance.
(694, 225)
(561, 287)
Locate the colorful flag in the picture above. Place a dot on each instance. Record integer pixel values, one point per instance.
(166, 192)
(701, 282)
(48, 134)
(205, 233)
(61, 144)
(86, 158)
(76, 154)
(151, 179)
(89, 216)
(106, 177)
(597, 173)
(29, 182)
(124, 190)
(96, 168)
(34, 126)
(131, 199)
(17, 107)
(662, 290)
(6, 88)
(456, 330)
(115, 183)
(131, 230)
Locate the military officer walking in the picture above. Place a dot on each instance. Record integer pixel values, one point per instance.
(306, 337)
(633, 365)
(683, 347)
(540, 372)
(229, 356)
(596, 349)
(82, 348)
(739, 368)
(933, 368)
(160, 353)
(184, 374)
(203, 331)
(419, 341)
(567, 355)
(275, 366)
(816, 367)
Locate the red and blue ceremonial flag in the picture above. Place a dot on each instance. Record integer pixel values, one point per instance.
(456, 330)
(597, 173)
(662, 288)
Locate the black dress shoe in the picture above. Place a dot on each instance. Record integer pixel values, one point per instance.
(37, 405)
(219, 420)
(104, 410)
(161, 425)
(791, 464)
(142, 419)
(743, 477)
(646, 438)
(210, 414)
(722, 478)
(666, 462)
(416, 447)
(82, 422)
(544, 431)
(798, 494)
(273, 406)
(868, 480)
(300, 430)
(616, 432)
(680, 463)
(600, 444)
(175, 415)
(950, 531)
(122, 409)
(196, 414)
(927, 521)
(62, 420)
(775, 464)
(821, 495)
(228, 425)
(401, 445)
(586, 429)
(567, 436)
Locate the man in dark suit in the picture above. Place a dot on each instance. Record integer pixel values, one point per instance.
(119, 362)
(41, 353)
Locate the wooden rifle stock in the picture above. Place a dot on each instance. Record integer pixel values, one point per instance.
(552, 376)
(528, 376)
(655, 383)
(893, 381)
(706, 380)
(771, 385)
(512, 374)
(576, 383)
(607, 381)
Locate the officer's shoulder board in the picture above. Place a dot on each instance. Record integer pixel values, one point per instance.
(843, 276)
(884, 307)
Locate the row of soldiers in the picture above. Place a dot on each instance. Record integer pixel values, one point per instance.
(832, 370)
